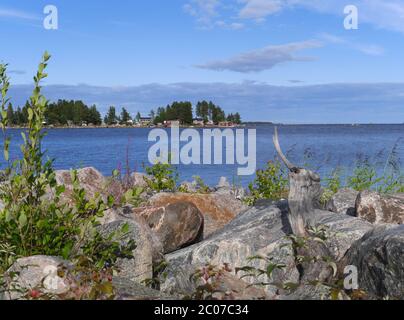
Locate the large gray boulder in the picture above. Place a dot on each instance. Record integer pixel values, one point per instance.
(148, 251)
(39, 273)
(91, 180)
(262, 230)
(116, 214)
(189, 187)
(379, 257)
(258, 231)
(377, 208)
(343, 231)
(223, 184)
(225, 188)
(128, 290)
(343, 202)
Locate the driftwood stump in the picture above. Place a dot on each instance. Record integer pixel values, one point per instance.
(303, 194)
(303, 199)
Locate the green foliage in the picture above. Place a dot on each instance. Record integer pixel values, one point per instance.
(333, 184)
(181, 111)
(164, 177)
(207, 281)
(102, 251)
(250, 271)
(125, 117)
(183, 189)
(35, 218)
(364, 178)
(60, 113)
(159, 276)
(270, 183)
(138, 117)
(111, 118)
(200, 185)
(121, 186)
(235, 118)
(132, 196)
(216, 114)
(65, 112)
(86, 282)
(391, 180)
(391, 184)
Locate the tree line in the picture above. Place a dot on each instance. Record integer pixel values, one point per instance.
(60, 113)
(183, 111)
(123, 118)
(72, 112)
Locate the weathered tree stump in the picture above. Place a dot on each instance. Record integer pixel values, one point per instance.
(303, 194)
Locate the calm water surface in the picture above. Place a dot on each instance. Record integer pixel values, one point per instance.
(322, 147)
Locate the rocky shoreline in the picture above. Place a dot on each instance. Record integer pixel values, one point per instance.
(207, 240)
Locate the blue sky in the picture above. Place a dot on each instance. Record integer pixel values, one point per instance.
(279, 57)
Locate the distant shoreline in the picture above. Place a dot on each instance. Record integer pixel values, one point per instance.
(130, 127)
(245, 124)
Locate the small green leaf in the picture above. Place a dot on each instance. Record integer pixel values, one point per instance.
(30, 114)
(60, 189)
(125, 228)
(110, 200)
(22, 220)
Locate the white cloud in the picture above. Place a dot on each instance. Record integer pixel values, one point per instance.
(368, 49)
(385, 14)
(205, 11)
(17, 72)
(329, 103)
(263, 59)
(16, 14)
(259, 9)
(231, 26)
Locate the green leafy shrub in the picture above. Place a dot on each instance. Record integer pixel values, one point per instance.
(391, 184)
(201, 186)
(183, 189)
(250, 271)
(34, 219)
(164, 177)
(332, 185)
(160, 275)
(364, 178)
(270, 183)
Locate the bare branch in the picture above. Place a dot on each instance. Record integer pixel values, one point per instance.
(288, 164)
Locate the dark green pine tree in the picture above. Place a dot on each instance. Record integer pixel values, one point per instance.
(111, 117)
(138, 117)
(10, 115)
(94, 116)
(125, 116)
